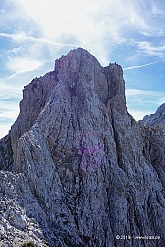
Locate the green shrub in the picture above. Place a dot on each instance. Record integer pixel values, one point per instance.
(29, 244)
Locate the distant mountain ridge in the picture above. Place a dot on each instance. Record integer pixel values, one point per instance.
(158, 118)
(76, 170)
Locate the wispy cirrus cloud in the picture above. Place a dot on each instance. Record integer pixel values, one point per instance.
(143, 65)
(9, 90)
(22, 65)
(9, 108)
(138, 92)
(29, 54)
(92, 24)
(152, 50)
(23, 37)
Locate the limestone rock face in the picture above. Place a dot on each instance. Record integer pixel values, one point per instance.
(80, 171)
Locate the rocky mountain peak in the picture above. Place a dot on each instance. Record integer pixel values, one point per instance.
(73, 59)
(76, 168)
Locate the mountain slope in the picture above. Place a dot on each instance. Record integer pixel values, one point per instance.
(81, 170)
(156, 119)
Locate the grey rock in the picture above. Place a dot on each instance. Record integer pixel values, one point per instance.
(156, 120)
(83, 171)
(6, 153)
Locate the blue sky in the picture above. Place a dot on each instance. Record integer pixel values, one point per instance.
(34, 33)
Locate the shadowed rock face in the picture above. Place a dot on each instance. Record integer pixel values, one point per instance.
(80, 170)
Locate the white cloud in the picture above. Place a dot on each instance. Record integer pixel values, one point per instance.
(20, 37)
(151, 50)
(28, 55)
(98, 25)
(60, 17)
(144, 92)
(95, 25)
(133, 92)
(22, 65)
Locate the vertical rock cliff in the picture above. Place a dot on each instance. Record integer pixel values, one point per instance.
(76, 168)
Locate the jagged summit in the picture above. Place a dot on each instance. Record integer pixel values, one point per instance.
(75, 57)
(78, 79)
(77, 54)
(76, 168)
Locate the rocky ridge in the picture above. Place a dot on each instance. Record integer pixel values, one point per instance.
(76, 168)
(156, 120)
